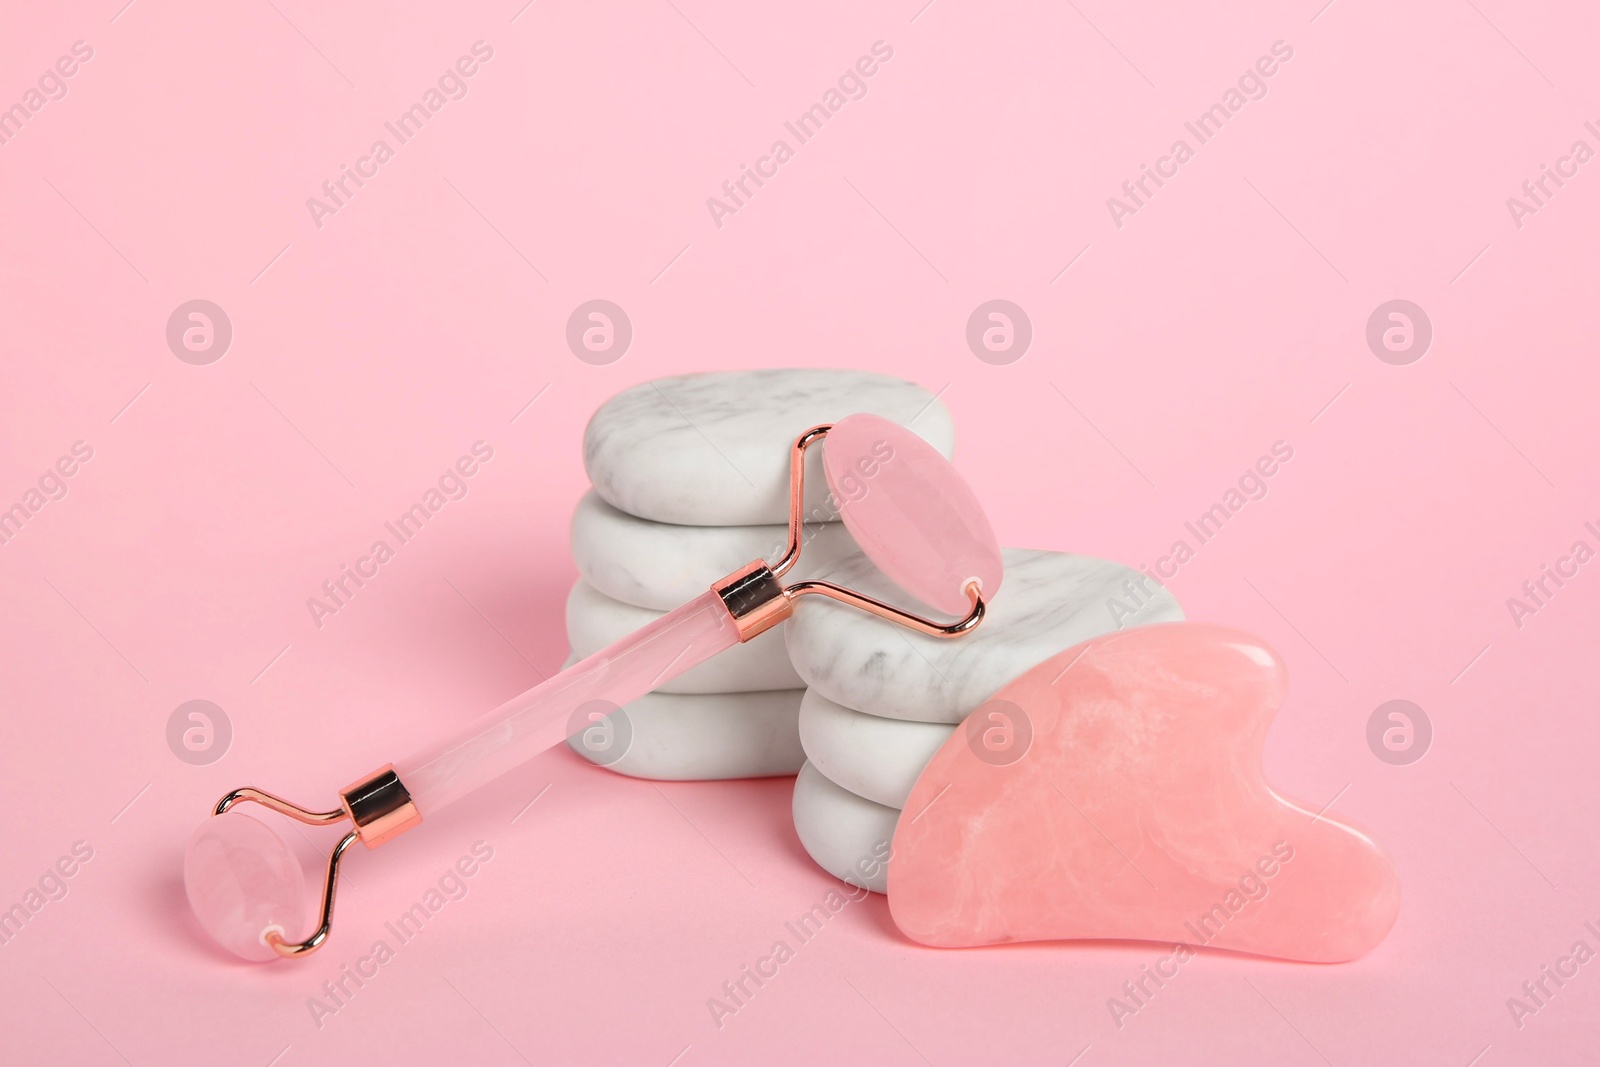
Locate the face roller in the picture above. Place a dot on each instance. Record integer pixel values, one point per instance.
(901, 500)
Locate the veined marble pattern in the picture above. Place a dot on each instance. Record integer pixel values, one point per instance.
(850, 837)
(595, 620)
(713, 449)
(1048, 601)
(875, 758)
(682, 737)
(661, 565)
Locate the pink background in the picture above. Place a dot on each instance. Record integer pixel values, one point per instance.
(1227, 314)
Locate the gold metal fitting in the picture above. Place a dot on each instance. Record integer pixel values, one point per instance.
(755, 599)
(874, 606)
(380, 806)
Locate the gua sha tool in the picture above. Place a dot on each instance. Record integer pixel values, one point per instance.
(900, 499)
(1116, 791)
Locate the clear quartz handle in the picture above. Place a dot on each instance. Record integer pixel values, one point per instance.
(526, 725)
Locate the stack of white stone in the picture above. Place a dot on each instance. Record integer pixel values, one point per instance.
(882, 699)
(690, 482)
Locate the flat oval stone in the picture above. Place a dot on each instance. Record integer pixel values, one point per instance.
(1050, 601)
(594, 621)
(850, 837)
(677, 737)
(713, 449)
(872, 757)
(661, 565)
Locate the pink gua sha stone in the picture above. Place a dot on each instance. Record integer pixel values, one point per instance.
(1119, 794)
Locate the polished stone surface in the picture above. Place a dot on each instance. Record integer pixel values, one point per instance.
(848, 836)
(875, 758)
(242, 881)
(713, 449)
(699, 737)
(594, 621)
(1049, 601)
(661, 565)
(912, 513)
(1132, 804)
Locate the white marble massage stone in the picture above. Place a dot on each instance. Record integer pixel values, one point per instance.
(849, 836)
(875, 758)
(681, 737)
(1048, 602)
(661, 565)
(595, 620)
(713, 449)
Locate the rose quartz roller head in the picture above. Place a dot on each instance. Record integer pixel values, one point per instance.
(904, 504)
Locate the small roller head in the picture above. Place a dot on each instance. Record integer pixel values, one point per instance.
(243, 883)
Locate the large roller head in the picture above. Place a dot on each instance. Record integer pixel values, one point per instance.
(911, 513)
